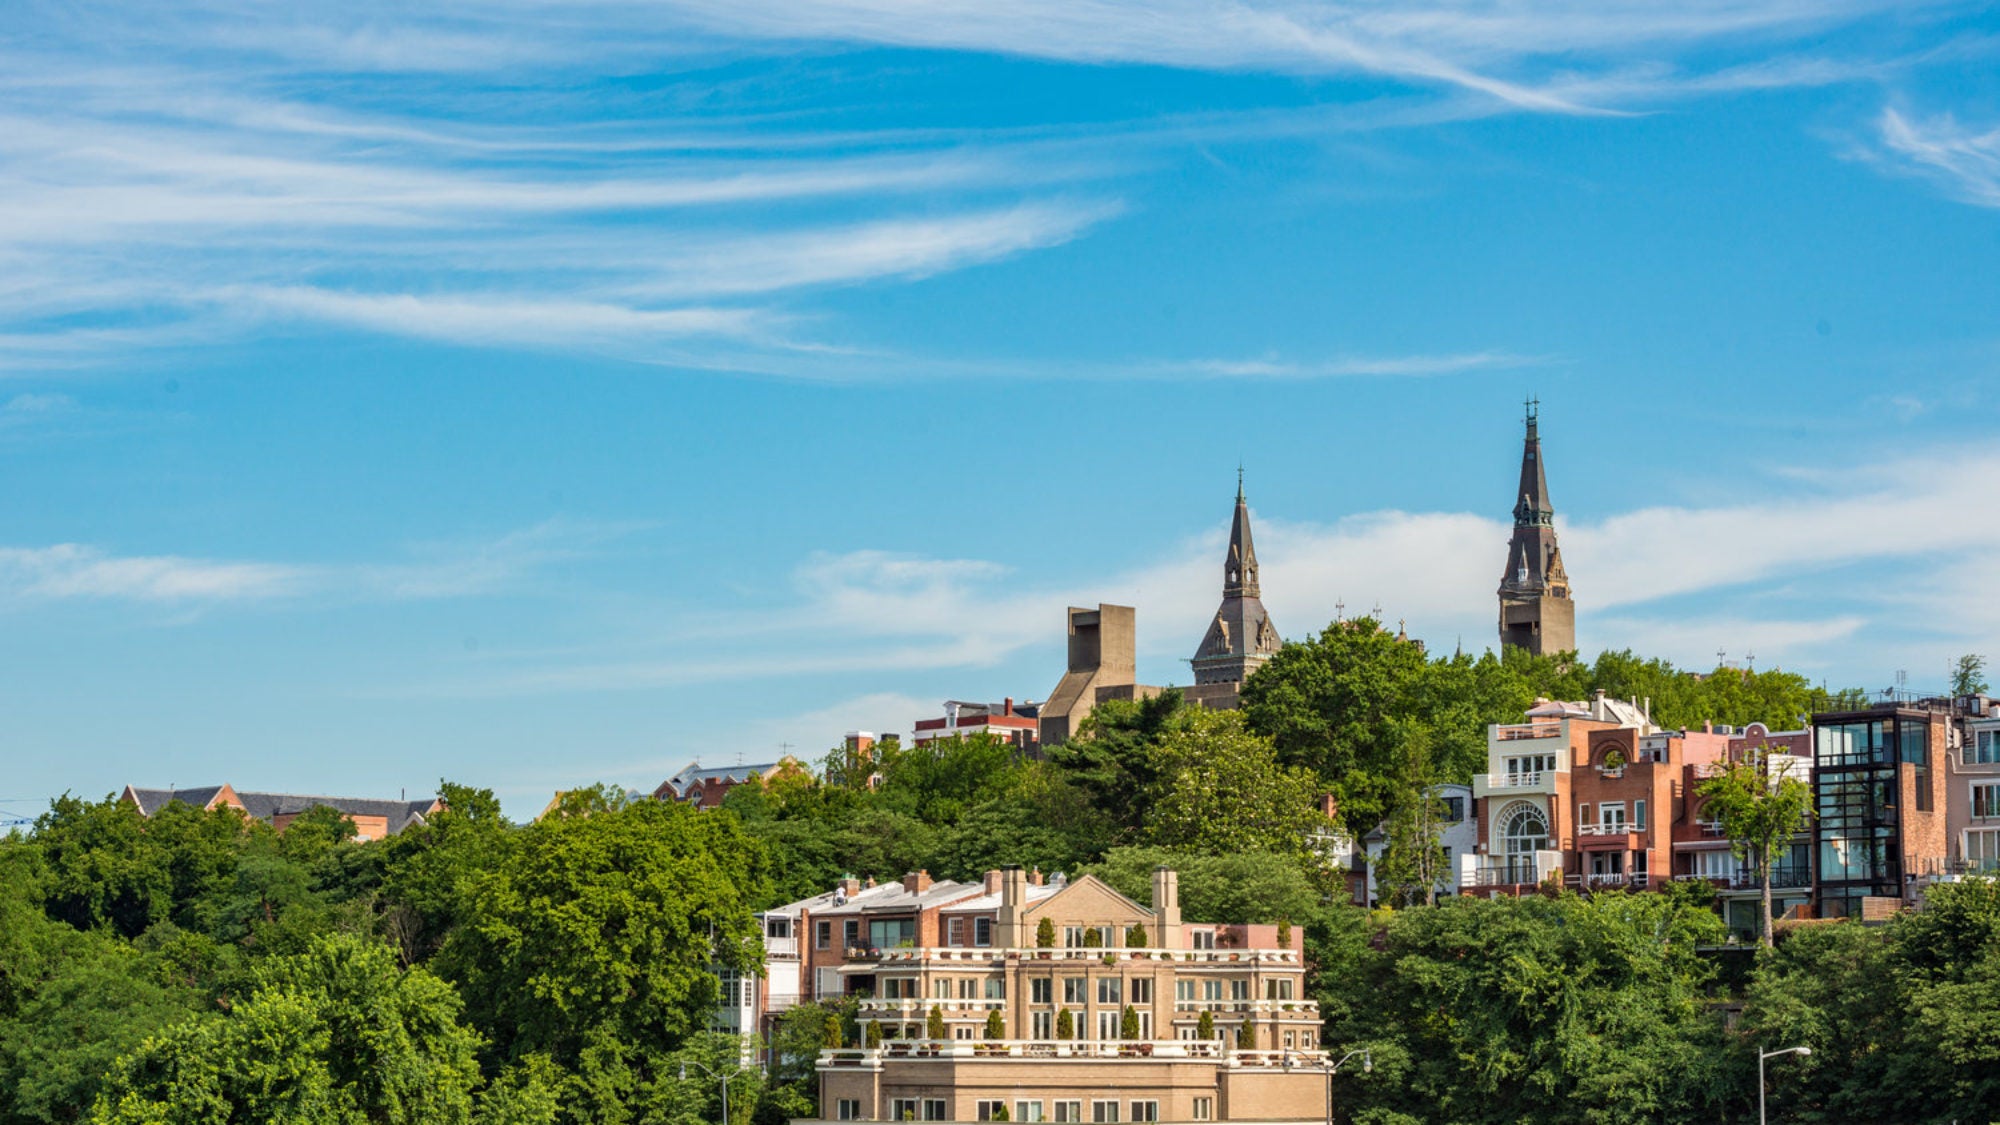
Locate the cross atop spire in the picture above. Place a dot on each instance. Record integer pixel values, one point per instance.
(1239, 482)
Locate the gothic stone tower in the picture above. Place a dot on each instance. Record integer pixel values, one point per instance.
(1241, 638)
(1536, 612)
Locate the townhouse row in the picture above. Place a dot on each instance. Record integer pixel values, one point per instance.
(1594, 795)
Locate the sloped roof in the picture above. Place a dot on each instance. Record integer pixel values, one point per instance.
(399, 814)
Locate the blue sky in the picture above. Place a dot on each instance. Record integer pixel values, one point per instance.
(533, 394)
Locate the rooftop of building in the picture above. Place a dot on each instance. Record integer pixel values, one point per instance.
(398, 814)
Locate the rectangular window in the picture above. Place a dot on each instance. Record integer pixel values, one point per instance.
(1204, 1109)
(1612, 815)
(988, 1111)
(968, 989)
(1104, 1113)
(1184, 991)
(1454, 810)
(1986, 799)
(1072, 937)
(1584, 816)
(996, 988)
(1203, 939)
(850, 933)
(822, 935)
(1041, 991)
(1291, 1040)
(936, 1109)
(1239, 989)
(1076, 990)
(778, 927)
(941, 988)
(1028, 1111)
(905, 1109)
(955, 931)
(1107, 1026)
(1069, 1113)
(1982, 849)
(1145, 1111)
(1985, 748)
(1211, 990)
(1279, 989)
(892, 933)
(961, 1033)
(847, 1109)
(1042, 1025)
(1639, 815)
(1110, 990)
(1142, 990)
(982, 931)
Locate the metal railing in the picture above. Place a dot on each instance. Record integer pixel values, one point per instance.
(1041, 1049)
(1521, 732)
(1503, 874)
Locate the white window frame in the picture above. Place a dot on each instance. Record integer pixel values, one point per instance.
(1103, 1112)
(1204, 1109)
(1991, 803)
(982, 931)
(1029, 1110)
(1069, 1111)
(1145, 1111)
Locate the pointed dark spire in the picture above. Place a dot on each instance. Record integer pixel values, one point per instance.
(1536, 612)
(1239, 569)
(1534, 508)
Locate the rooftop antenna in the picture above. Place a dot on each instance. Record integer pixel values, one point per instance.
(1720, 656)
(1340, 611)
(1750, 662)
(1533, 405)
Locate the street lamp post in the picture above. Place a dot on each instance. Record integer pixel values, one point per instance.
(722, 1076)
(1367, 1067)
(1805, 1052)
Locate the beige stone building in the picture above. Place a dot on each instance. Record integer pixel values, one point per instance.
(1103, 665)
(1110, 1012)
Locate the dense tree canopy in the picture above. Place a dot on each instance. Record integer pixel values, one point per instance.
(200, 967)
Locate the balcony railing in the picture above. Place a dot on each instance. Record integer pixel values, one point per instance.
(889, 957)
(1521, 732)
(1784, 875)
(1037, 1050)
(1616, 828)
(1504, 874)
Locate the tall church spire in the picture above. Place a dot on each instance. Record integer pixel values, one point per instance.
(1239, 569)
(1241, 637)
(1536, 612)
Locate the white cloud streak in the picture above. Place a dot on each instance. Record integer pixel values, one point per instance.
(1963, 162)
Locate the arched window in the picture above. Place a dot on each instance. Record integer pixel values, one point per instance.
(1524, 830)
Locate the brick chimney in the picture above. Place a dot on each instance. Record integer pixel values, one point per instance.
(1167, 906)
(1007, 707)
(917, 882)
(851, 885)
(992, 882)
(1034, 876)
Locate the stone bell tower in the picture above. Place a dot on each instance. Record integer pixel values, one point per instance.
(1536, 612)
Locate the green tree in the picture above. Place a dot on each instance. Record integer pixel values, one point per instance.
(1760, 811)
(102, 870)
(1219, 789)
(1413, 857)
(1128, 1023)
(1065, 1024)
(934, 1023)
(1045, 933)
(596, 941)
(1204, 1027)
(1968, 675)
(1246, 1036)
(89, 998)
(337, 1034)
(996, 1024)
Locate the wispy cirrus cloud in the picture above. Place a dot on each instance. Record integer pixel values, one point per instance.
(1962, 161)
(454, 569)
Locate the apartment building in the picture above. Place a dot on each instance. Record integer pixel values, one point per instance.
(1972, 796)
(1701, 851)
(1526, 801)
(1880, 790)
(373, 819)
(1631, 794)
(1066, 1001)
